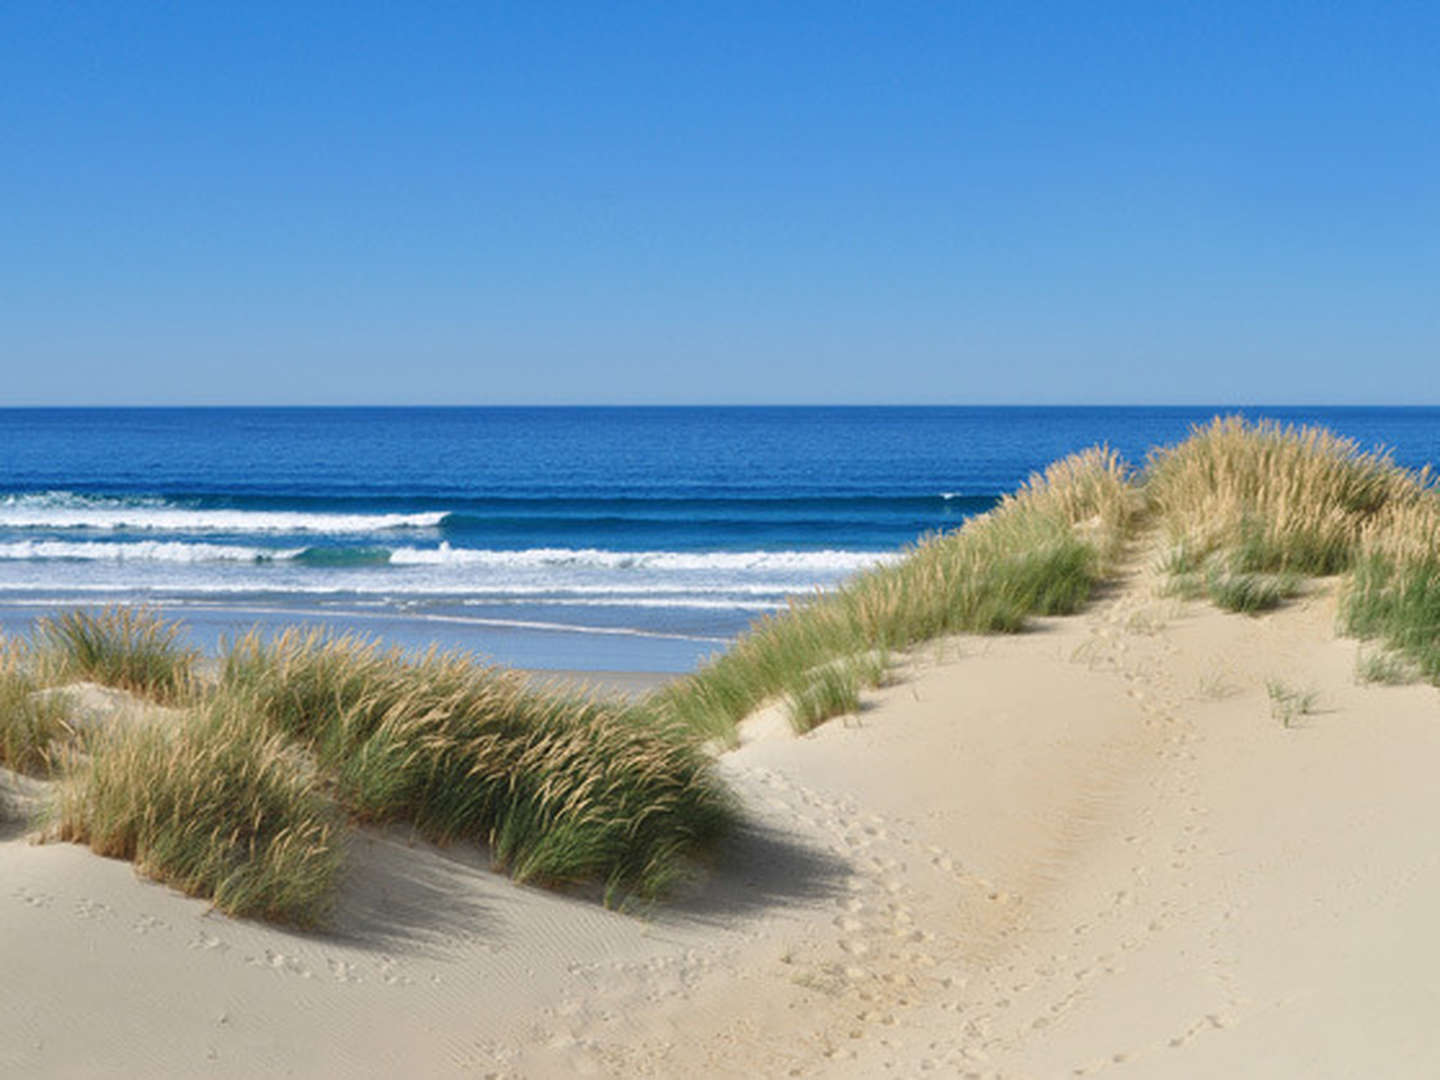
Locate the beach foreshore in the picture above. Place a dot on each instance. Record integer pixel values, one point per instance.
(1095, 848)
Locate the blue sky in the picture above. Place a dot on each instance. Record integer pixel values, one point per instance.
(477, 203)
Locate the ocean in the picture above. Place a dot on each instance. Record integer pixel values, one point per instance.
(634, 539)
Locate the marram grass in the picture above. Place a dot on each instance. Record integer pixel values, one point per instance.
(1216, 579)
(1040, 552)
(219, 807)
(831, 690)
(1383, 667)
(560, 787)
(132, 649)
(1393, 593)
(1271, 499)
(34, 729)
(1249, 508)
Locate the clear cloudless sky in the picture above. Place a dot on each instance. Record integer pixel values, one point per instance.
(476, 203)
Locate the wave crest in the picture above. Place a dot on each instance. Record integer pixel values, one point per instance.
(68, 510)
(824, 561)
(172, 551)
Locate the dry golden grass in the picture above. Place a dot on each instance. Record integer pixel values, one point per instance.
(1040, 551)
(1406, 533)
(1247, 508)
(34, 728)
(561, 787)
(1267, 498)
(1393, 593)
(242, 799)
(132, 649)
(218, 807)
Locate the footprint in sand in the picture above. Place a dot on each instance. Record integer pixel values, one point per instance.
(390, 975)
(91, 909)
(1211, 1021)
(280, 962)
(343, 971)
(208, 943)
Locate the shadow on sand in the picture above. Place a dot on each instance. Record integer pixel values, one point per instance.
(756, 869)
(404, 894)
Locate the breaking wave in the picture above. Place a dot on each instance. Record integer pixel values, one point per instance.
(68, 510)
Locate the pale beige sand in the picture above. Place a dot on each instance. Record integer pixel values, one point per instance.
(1081, 851)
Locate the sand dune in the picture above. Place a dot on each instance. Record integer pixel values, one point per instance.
(1086, 850)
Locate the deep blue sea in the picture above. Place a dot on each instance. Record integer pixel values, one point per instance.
(588, 538)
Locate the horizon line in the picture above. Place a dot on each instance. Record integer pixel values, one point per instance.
(35, 406)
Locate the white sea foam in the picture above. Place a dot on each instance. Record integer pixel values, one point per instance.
(66, 510)
(163, 551)
(826, 561)
(797, 564)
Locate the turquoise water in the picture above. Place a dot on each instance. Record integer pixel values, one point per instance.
(592, 538)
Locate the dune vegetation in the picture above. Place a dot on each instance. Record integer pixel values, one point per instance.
(129, 648)
(218, 806)
(243, 795)
(1248, 510)
(561, 787)
(1041, 551)
(1393, 592)
(33, 726)
(243, 800)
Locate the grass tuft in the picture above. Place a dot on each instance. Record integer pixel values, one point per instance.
(1250, 593)
(1384, 668)
(1288, 704)
(34, 728)
(1214, 686)
(1393, 594)
(133, 649)
(220, 807)
(829, 691)
(561, 787)
(1271, 499)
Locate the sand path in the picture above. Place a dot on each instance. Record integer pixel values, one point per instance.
(1086, 850)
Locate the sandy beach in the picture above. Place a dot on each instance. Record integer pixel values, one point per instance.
(1087, 849)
